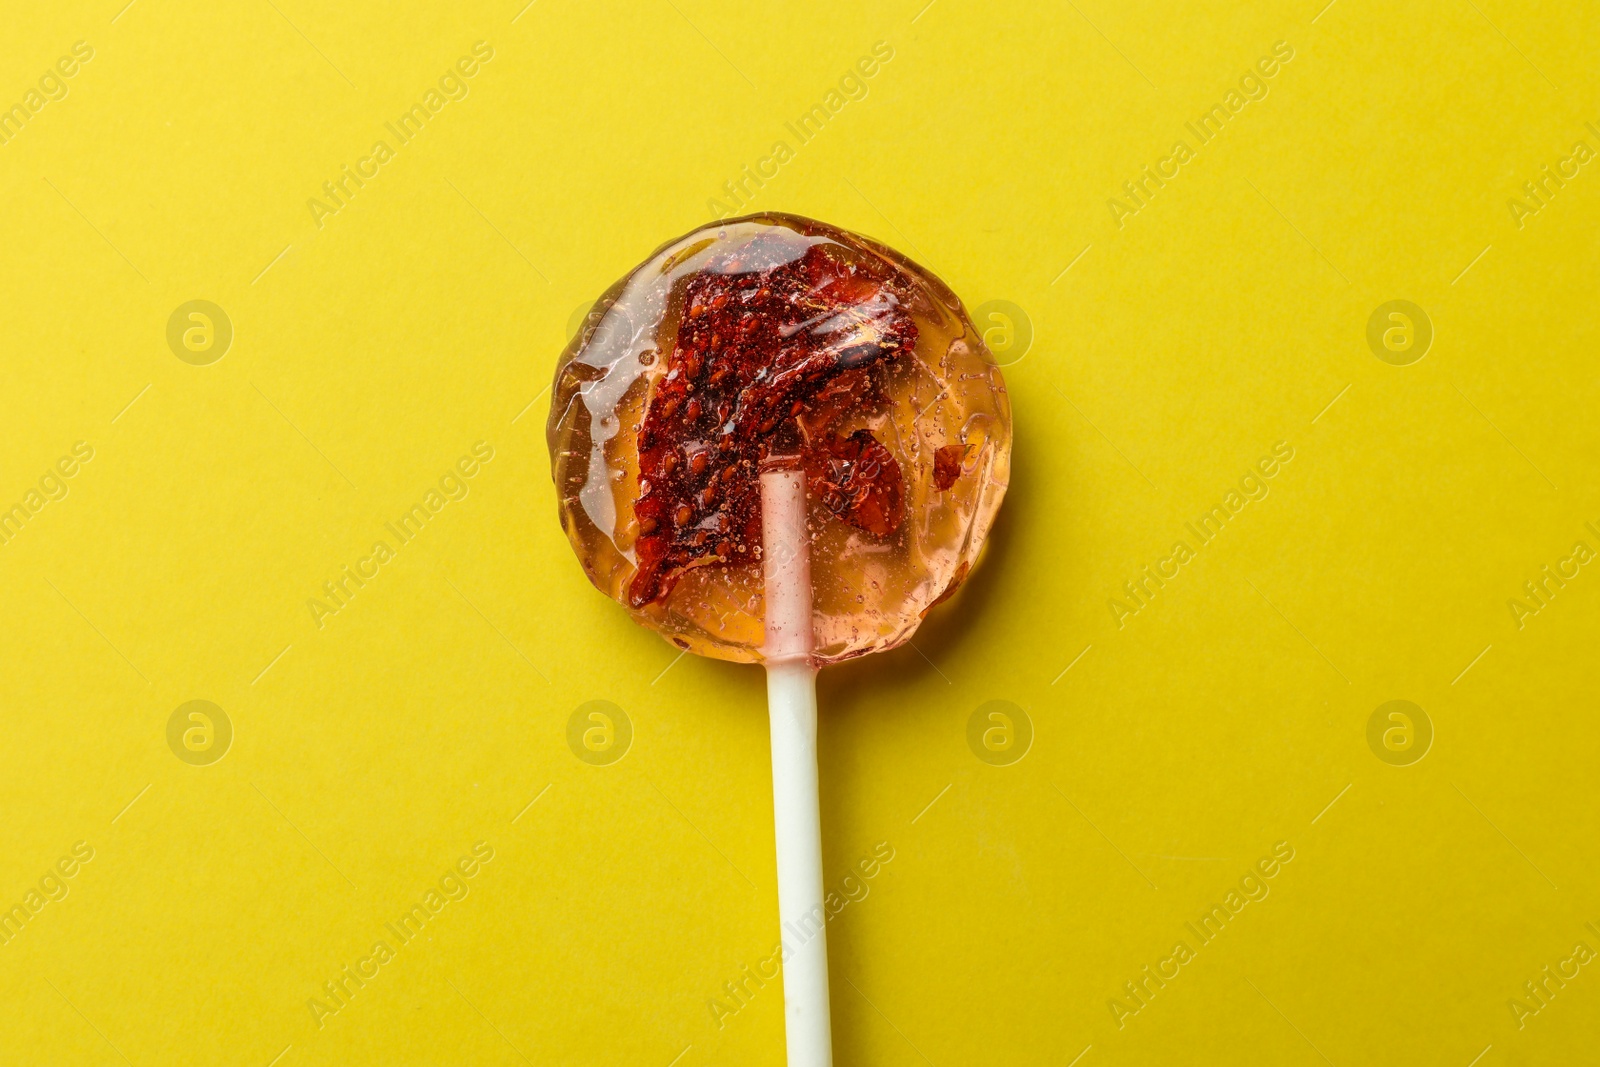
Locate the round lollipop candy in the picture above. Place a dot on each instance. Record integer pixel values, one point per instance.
(779, 442)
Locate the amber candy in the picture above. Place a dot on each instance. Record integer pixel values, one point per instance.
(775, 337)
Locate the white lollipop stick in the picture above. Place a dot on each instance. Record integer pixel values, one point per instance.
(792, 701)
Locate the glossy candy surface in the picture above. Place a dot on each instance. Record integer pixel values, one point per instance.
(767, 339)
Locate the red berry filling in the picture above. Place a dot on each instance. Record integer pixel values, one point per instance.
(773, 350)
(947, 466)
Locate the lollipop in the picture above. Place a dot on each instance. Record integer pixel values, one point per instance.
(779, 442)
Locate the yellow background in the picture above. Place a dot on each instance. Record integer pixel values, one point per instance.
(369, 354)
